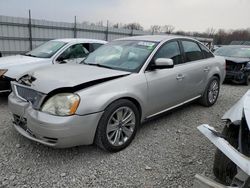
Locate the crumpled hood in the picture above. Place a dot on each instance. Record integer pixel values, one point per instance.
(238, 59)
(55, 77)
(19, 64)
(236, 111)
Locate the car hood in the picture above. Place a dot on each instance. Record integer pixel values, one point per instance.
(19, 64)
(237, 59)
(236, 111)
(71, 77)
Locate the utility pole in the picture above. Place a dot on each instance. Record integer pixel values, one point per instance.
(75, 32)
(30, 30)
(107, 31)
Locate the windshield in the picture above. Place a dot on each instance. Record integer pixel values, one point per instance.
(233, 51)
(46, 50)
(122, 55)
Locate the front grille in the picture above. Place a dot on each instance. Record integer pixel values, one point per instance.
(22, 123)
(231, 66)
(30, 95)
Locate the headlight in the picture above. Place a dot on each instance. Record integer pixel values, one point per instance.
(63, 104)
(3, 71)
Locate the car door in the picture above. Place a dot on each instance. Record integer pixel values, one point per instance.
(165, 85)
(75, 53)
(194, 69)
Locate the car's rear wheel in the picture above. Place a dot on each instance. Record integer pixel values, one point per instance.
(117, 126)
(224, 169)
(211, 92)
(247, 80)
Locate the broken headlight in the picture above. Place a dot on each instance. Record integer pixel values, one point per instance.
(3, 71)
(63, 104)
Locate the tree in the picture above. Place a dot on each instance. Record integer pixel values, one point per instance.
(168, 29)
(210, 32)
(134, 26)
(155, 29)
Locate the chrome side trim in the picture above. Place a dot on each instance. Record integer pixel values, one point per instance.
(173, 107)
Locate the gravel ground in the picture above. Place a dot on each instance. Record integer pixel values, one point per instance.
(167, 152)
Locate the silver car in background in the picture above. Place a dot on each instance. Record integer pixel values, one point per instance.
(118, 86)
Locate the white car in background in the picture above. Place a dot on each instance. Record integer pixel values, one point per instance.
(52, 52)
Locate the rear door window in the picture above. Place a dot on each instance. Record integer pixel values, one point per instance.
(192, 51)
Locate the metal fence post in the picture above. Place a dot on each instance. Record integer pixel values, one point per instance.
(107, 31)
(75, 32)
(132, 32)
(30, 30)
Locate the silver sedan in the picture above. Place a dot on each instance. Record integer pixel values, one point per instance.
(104, 99)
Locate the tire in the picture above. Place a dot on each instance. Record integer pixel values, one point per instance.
(224, 169)
(205, 99)
(112, 135)
(247, 80)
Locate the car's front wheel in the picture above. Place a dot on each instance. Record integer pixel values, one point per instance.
(211, 92)
(117, 126)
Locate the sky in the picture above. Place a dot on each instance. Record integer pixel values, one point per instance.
(186, 15)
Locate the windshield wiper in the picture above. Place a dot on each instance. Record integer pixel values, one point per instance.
(99, 65)
(30, 55)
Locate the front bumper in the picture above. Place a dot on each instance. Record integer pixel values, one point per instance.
(204, 182)
(235, 75)
(54, 131)
(242, 161)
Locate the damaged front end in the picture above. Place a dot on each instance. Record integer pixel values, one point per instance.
(232, 160)
(238, 71)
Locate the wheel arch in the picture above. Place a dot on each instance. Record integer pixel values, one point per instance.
(131, 99)
(217, 75)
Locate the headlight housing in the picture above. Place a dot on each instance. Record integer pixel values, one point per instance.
(62, 104)
(3, 71)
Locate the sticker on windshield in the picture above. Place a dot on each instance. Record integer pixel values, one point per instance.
(147, 44)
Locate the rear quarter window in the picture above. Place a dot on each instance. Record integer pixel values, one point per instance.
(205, 51)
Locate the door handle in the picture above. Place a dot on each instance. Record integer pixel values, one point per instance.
(206, 69)
(180, 77)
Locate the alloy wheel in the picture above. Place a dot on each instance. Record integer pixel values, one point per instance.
(121, 126)
(213, 91)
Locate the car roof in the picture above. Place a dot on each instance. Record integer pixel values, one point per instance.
(156, 38)
(83, 40)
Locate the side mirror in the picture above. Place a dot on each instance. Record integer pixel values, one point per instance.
(163, 63)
